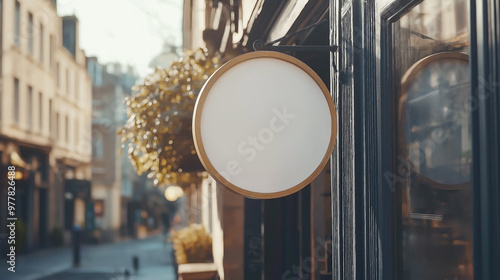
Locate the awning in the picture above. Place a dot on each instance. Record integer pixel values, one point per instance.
(16, 160)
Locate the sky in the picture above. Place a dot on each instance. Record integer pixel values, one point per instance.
(131, 32)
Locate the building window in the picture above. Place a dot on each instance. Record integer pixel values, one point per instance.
(433, 164)
(30, 107)
(77, 132)
(58, 127)
(58, 75)
(30, 33)
(67, 81)
(51, 51)
(41, 35)
(16, 101)
(40, 111)
(51, 126)
(77, 84)
(17, 24)
(97, 146)
(66, 129)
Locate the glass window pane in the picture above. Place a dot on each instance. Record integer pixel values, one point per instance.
(30, 107)
(40, 111)
(16, 101)
(433, 162)
(51, 125)
(41, 37)
(30, 33)
(51, 51)
(17, 24)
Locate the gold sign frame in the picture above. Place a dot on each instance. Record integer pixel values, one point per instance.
(198, 143)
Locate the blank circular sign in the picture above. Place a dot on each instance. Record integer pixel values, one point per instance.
(264, 125)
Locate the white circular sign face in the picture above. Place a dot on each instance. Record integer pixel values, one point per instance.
(264, 125)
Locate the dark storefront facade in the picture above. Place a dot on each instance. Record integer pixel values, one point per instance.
(415, 172)
(412, 189)
(32, 192)
(41, 197)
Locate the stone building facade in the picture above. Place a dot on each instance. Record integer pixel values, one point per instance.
(45, 117)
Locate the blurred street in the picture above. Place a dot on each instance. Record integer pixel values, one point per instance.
(293, 139)
(98, 262)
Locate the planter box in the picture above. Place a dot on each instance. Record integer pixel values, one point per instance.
(198, 271)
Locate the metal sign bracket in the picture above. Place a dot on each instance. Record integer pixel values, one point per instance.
(260, 45)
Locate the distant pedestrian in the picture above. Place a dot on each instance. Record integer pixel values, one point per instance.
(151, 222)
(166, 221)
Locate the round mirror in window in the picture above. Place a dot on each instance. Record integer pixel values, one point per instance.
(434, 120)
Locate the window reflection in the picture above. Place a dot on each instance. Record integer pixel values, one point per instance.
(430, 62)
(435, 120)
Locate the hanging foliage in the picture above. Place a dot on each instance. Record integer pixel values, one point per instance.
(158, 130)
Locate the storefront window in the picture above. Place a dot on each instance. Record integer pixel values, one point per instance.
(433, 158)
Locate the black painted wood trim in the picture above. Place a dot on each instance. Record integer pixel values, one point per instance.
(337, 248)
(385, 193)
(485, 85)
(370, 133)
(348, 161)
